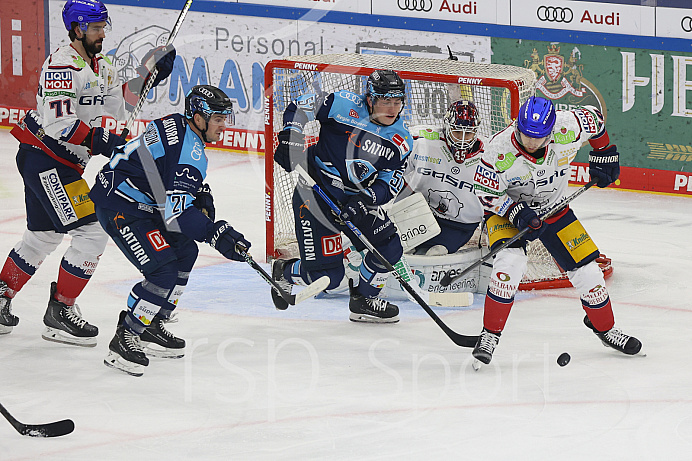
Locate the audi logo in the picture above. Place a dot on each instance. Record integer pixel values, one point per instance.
(554, 14)
(686, 24)
(415, 5)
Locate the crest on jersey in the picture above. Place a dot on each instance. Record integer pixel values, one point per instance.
(359, 170)
(353, 113)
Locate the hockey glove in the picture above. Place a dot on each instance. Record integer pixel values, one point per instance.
(291, 149)
(355, 210)
(102, 141)
(162, 57)
(522, 216)
(604, 165)
(204, 202)
(224, 239)
(299, 113)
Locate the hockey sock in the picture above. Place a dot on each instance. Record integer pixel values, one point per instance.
(372, 279)
(15, 273)
(295, 274)
(175, 295)
(75, 272)
(590, 284)
(495, 312)
(598, 308)
(144, 303)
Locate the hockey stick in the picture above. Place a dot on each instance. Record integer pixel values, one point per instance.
(309, 291)
(458, 339)
(55, 429)
(152, 76)
(447, 279)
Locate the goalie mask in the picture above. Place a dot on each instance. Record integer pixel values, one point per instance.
(387, 85)
(461, 124)
(208, 100)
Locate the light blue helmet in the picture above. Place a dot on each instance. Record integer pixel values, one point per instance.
(536, 117)
(84, 12)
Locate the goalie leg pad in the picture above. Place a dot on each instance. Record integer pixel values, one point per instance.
(414, 221)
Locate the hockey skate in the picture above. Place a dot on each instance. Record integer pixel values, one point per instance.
(64, 324)
(125, 351)
(7, 319)
(278, 266)
(370, 310)
(485, 346)
(161, 343)
(616, 339)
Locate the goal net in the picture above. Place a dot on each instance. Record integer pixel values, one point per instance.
(431, 85)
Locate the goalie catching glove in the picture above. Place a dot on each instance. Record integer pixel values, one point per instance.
(522, 216)
(604, 165)
(225, 239)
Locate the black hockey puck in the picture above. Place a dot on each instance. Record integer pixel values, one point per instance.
(563, 359)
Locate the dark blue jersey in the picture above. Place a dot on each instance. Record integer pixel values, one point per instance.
(157, 175)
(356, 155)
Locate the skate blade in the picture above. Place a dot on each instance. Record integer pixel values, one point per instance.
(5, 330)
(115, 361)
(63, 337)
(365, 318)
(154, 350)
(476, 365)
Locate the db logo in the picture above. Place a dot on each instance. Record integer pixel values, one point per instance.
(157, 241)
(331, 245)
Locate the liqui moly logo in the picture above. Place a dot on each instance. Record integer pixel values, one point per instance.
(58, 80)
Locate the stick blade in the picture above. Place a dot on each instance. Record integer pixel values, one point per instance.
(312, 290)
(56, 429)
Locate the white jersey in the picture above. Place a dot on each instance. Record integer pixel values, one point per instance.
(446, 185)
(507, 174)
(71, 98)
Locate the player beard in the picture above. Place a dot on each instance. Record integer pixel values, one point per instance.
(93, 48)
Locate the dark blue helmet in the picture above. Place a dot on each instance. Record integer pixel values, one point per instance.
(84, 12)
(208, 100)
(536, 117)
(385, 84)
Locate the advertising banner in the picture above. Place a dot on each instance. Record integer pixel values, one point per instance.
(493, 12)
(674, 22)
(587, 16)
(22, 51)
(646, 97)
(231, 51)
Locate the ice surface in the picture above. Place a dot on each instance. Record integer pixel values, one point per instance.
(306, 383)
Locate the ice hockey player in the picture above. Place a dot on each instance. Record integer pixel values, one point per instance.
(152, 201)
(441, 167)
(524, 170)
(77, 86)
(358, 161)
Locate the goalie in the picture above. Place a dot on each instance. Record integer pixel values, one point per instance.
(441, 168)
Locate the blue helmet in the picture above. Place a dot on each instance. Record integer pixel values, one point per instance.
(84, 12)
(536, 117)
(208, 100)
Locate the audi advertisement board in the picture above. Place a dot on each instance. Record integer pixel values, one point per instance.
(493, 12)
(674, 22)
(587, 16)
